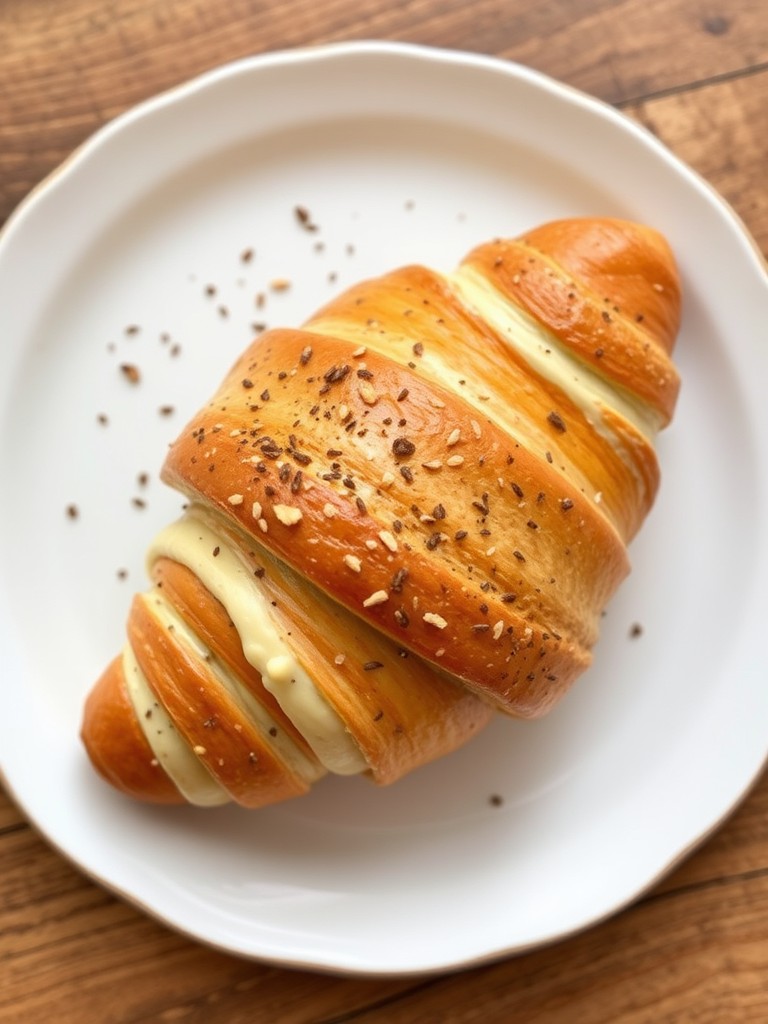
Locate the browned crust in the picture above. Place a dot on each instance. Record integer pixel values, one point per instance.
(610, 292)
(116, 744)
(556, 554)
(415, 308)
(233, 750)
(209, 620)
(398, 709)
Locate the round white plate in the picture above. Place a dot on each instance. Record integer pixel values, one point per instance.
(398, 154)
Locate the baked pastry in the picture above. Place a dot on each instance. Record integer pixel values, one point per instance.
(403, 518)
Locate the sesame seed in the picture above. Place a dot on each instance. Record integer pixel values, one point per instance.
(256, 510)
(197, 749)
(455, 460)
(454, 437)
(353, 562)
(377, 597)
(556, 420)
(329, 510)
(263, 525)
(387, 479)
(432, 464)
(435, 620)
(359, 352)
(288, 515)
(235, 499)
(368, 393)
(476, 429)
(498, 629)
(399, 579)
(388, 540)
(436, 403)
(371, 544)
(339, 659)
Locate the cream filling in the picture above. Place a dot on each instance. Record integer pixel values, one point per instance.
(185, 770)
(545, 354)
(249, 706)
(191, 542)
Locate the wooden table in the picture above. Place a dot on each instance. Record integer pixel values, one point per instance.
(696, 947)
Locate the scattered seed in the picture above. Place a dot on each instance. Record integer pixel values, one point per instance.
(435, 620)
(557, 421)
(368, 393)
(388, 540)
(403, 448)
(288, 515)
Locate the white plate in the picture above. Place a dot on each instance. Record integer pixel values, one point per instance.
(404, 154)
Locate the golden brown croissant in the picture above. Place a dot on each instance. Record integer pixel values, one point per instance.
(403, 517)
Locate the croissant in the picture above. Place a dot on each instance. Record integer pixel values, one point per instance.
(402, 519)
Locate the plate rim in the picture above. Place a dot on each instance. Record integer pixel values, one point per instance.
(344, 48)
(458, 59)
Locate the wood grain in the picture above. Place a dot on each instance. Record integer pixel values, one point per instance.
(695, 948)
(735, 113)
(69, 66)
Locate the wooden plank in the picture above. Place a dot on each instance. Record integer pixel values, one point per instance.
(721, 130)
(737, 849)
(705, 949)
(625, 51)
(10, 816)
(67, 942)
(71, 953)
(71, 66)
(693, 949)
